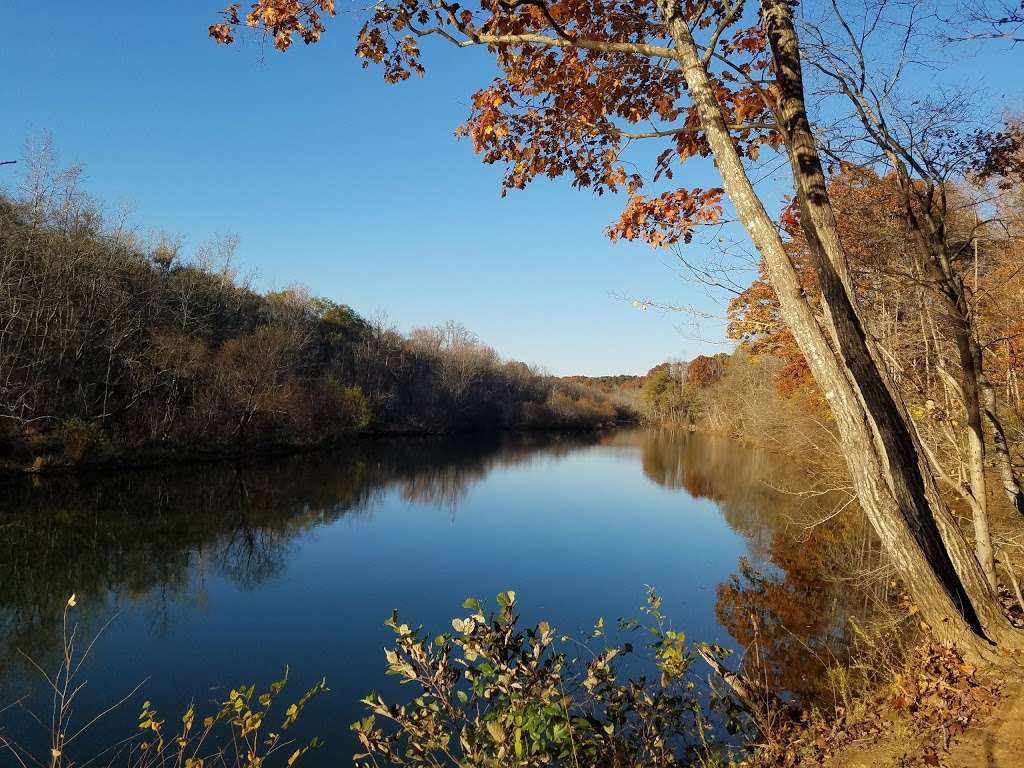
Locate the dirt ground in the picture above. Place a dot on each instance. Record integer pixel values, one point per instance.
(995, 741)
(998, 741)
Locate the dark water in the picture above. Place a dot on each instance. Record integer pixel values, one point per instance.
(221, 575)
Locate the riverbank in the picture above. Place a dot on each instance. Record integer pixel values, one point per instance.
(904, 701)
(985, 734)
(122, 351)
(56, 460)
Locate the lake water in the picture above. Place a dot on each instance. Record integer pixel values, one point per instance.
(219, 575)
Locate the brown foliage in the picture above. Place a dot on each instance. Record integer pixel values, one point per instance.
(282, 19)
(891, 290)
(703, 371)
(568, 110)
(112, 347)
(933, 697)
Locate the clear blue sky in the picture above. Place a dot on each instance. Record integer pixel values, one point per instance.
(332, 179)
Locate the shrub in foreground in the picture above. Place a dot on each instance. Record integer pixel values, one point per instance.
(495, 694)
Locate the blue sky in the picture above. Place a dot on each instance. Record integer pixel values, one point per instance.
(333, 179)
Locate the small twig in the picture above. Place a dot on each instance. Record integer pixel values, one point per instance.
(1005, 557)
(106, 712)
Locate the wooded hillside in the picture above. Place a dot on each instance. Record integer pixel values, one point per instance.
(110, 344)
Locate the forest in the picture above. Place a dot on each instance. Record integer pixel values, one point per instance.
(113, 346)
(950, 335)
(954, 388)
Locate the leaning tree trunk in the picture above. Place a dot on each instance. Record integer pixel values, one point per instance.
(879, 448)
(895, 442)
(934, 259)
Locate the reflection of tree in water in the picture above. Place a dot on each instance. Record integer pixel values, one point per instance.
(791, 621)
(796, 603)
(149, 536)
(442, 487)
(444, 484)
(252, 554)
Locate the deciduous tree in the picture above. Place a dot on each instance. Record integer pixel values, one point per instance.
(581, 78)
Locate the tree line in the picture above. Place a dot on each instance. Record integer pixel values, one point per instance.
(110, 344)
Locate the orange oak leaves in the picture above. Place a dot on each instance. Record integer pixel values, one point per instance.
(579, 82)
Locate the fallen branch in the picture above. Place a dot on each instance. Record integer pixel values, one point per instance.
(745, 691)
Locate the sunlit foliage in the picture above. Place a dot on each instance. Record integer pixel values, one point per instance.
(496, 694)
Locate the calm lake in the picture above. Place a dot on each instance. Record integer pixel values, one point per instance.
(214, 576)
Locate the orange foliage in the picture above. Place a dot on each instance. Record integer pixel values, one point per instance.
(786, 615)
(703, 371)
(282, 19)
(566, 110)
(669, 217)
(870, 213)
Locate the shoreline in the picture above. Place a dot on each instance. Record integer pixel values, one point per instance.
(176, 455)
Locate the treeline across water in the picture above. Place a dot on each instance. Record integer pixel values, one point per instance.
(111, 346)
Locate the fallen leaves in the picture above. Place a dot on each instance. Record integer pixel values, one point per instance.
(933, 700)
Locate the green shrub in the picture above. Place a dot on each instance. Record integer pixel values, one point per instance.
(356, 407)
(494, 694)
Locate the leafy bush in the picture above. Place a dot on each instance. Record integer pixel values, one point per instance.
(495, 694)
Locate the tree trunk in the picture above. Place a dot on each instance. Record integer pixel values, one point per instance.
(896, 445)
(970, 366)
(1004, 465)
(879, 448)
(934, 259)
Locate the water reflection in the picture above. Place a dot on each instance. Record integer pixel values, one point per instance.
(198, 555)
(136, 532)
(789, 603)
